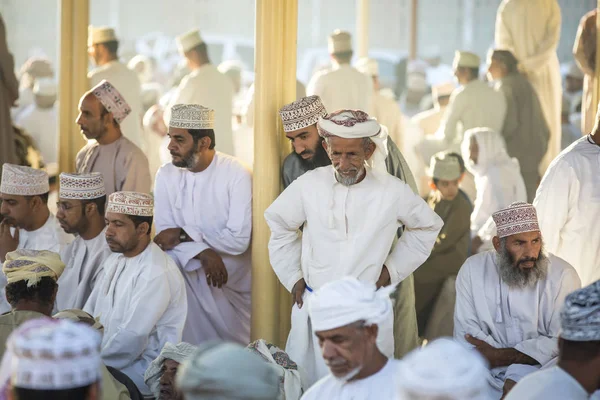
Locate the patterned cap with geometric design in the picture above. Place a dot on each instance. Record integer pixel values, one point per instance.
(519, 217)
(112, 100)
(580, 316)
(81, 186)
(302, 113)
(131, 203)
(192, 116)
(23, 181)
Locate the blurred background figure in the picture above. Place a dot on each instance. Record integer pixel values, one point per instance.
(573, 83)
(33, 69)
(570, 131)
(9, 93)
(584, 51)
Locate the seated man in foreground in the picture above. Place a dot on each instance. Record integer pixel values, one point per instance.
(160, 375)
(508, 300)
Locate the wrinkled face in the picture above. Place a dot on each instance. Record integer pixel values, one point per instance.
(473, 150)
(121, 233)
(305, 141)
(90, 119)
(524, 248)
(16, 210)
(71, 215)
(182, 148)
(495, 70)
(348, 157)
(521, 259)
(448, 189)
(347, 349)
(168, 391)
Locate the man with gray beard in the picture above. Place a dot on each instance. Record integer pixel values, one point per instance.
(508, 300)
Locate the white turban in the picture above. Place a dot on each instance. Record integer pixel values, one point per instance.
(443, 370)
(348, 300)
(356, 124)
(176, 352)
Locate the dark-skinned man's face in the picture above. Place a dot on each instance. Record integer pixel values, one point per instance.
(168, 391)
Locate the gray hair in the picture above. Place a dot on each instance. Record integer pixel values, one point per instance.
(515, 277)
(366, 143)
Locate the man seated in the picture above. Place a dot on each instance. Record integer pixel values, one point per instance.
(577, 374)
(346, 315)
(141, 298)
(508, 300)
(160, 375)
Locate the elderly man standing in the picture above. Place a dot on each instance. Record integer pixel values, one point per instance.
(102, 48)
(341, 86)
(508, 300)
(204, 222)
(82, 199)
(207, 86)
(525, 129)
(530, 29)
(141, 298)
(350, 318)
(160, 375)
(350, 212)
(122, 163)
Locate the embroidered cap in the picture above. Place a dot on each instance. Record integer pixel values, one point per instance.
(23, 181)
(302, 113)
(112, 100)
(519, 217)
(580, 316)
(32, 265)
(131, 203)
(188, 41)
(81, 186)
(192, 116)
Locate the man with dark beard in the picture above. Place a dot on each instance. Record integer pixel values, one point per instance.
(508, 301)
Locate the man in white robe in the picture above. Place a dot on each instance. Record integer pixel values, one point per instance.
(350, 212)
(207, 86)
(141, 298)
(82, 199)
(102, 48)
(203, 202)
(577, 374)
(122, 164)
(568, 202)
(350, 317)
(429, 121)
(508, 299)
(342, 86)
(530, 29)
(27, 223)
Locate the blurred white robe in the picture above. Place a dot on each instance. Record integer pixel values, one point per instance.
(42, 125)
(342, 87)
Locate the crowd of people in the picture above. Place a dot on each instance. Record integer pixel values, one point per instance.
(441, 253)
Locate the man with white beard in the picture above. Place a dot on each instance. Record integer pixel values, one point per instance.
(508, 301)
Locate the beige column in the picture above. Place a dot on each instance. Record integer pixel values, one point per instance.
(362, 28)
(596, 88)
(74, 17)
(412, 37)
(275, 85)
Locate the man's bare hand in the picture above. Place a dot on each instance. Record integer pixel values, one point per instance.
(168, 239)
(298, 291)
(8, 242)
(487, 351)
(384, 278)
(216, 273)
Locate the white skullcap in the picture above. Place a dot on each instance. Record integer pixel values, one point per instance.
(466, 59)
(192, 116)
(580, 315)
(443, 370)
(81, 186)
(222, 371)
(339, 42)
(188, 41)
(302, 113)
(101, 34)
(48, 354)
(416, 82)
(367, 66)
(356, 124)
(19, 180)
(348, 300)
(112, 100)
(176, 352)
(131, 203)
(44, 87)
(444, 166)
(444, 89)
(574, 71)
(141, 65)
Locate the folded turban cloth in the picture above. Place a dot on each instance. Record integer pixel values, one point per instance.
(580, 316)
(32, 266)
(443, 370)
(348, 300)
(176, 352)
(76, 315)
(224, 371)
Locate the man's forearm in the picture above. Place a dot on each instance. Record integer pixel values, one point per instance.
(509, 356)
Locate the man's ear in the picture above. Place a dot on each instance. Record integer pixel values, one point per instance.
(496, 243)
(324, 143)
(142, 229)
(370, 150)
(90, 208)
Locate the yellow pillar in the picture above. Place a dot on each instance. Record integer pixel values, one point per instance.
(74, 17)
(275, 85)
(414, 8)
(362, 27)
(596, 86)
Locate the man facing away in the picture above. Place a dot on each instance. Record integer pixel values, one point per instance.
(204, 221)
(102, 49)
(508, 299)
(350, 212)
(81, 204)
(141, 298)
(122, 164)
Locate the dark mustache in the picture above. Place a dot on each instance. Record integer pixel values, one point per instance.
(527, 259)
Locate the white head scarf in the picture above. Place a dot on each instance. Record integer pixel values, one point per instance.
(348, 300)
(492, 151)
(443, 370)
(176, 352)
